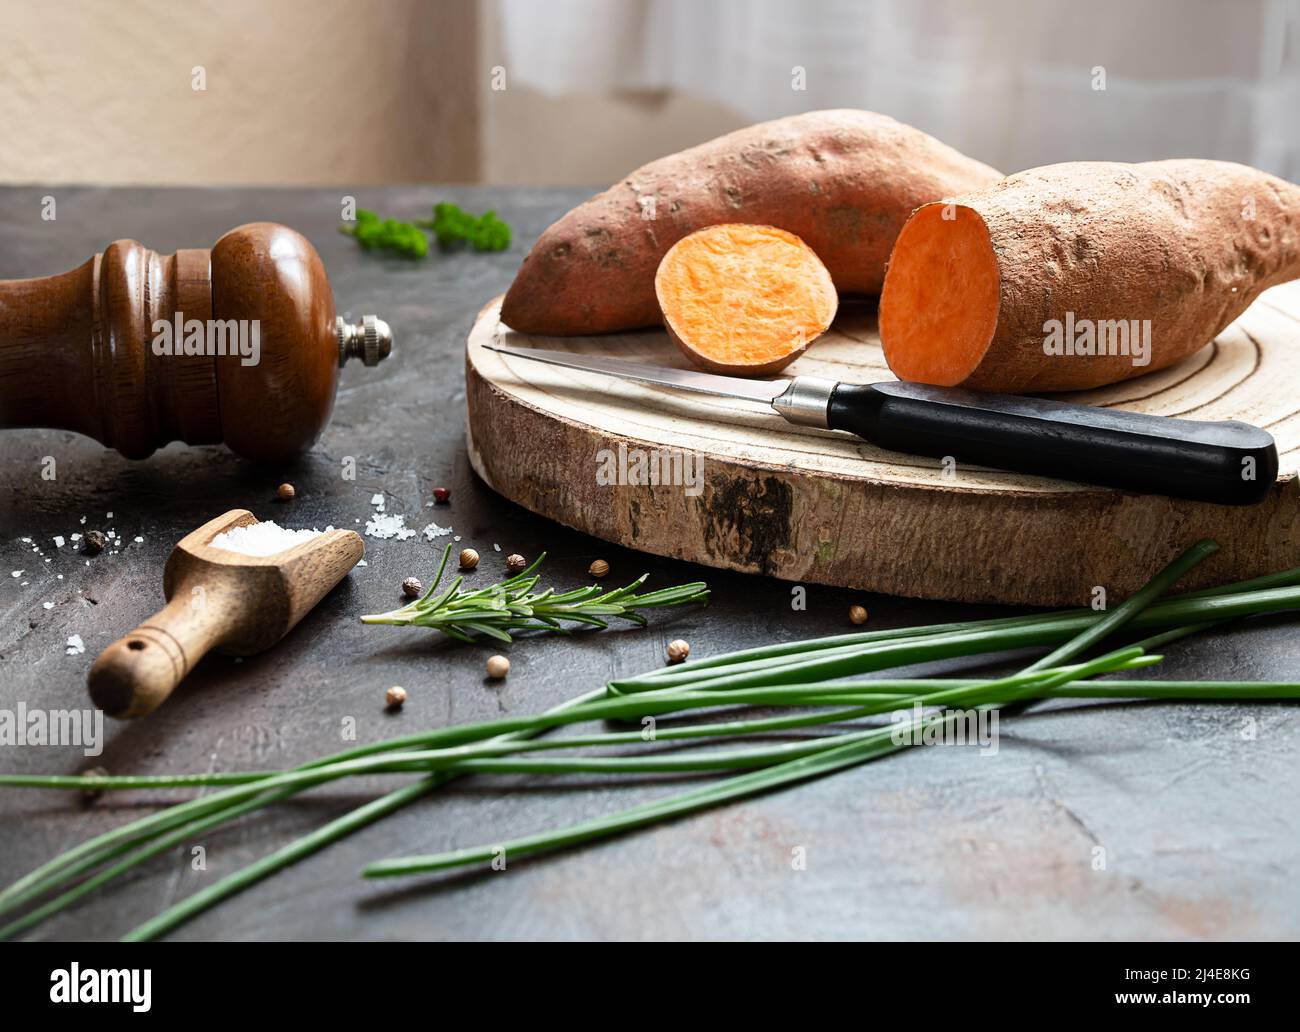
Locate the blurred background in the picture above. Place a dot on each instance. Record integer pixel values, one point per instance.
(583, 91)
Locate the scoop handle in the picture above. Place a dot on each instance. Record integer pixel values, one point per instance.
(136, 674)
(1227, 462)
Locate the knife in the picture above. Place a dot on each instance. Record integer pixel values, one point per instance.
(1227, 462)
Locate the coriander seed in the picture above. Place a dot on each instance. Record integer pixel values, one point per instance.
(678, 650)
(857, 615)
(599, 568)
(90, 794)
(95, 542)
(411, 587)
(468, 559)
(515, 562)
(498, 667)
(395, 696)
(285, 492)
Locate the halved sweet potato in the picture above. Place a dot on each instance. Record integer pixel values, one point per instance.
(1077, 275)
(843, 181)
(744, 299)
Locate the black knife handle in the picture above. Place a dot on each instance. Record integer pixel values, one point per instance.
(1231, 463)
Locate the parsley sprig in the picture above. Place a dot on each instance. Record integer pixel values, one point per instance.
(450, 225)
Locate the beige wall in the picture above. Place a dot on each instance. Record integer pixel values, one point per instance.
(529, 137)
(306, 91)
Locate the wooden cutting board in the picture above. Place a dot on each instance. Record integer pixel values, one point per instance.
(821, 507)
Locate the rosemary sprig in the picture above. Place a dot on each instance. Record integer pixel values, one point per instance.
(514, 605)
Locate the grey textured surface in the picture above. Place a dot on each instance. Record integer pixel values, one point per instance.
(1198, 819)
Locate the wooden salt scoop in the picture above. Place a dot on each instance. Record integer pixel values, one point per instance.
(240, 604)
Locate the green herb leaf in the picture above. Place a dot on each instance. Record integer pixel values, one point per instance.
(453, 226)
(512, 605)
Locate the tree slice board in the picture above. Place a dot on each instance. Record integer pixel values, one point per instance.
(822, 507)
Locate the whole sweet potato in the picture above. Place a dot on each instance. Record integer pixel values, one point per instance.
(843, 181)
(1083, 274)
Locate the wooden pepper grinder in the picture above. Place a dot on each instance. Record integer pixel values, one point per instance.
(88, 350)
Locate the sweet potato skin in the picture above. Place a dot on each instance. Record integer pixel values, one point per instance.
(1187, 244)
(844, 181)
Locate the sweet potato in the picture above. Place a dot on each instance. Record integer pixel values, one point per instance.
(1077, 275)
(744, 299)
(842, 181)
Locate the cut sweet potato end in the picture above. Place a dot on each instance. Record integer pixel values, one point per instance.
(744, 299)
(939, 305)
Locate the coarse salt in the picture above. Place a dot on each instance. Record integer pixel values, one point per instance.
(434, 531)
(261, 539)
(388, 525)
(75, 645)
(58, 540)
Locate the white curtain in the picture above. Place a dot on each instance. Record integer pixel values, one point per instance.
(1012, 82)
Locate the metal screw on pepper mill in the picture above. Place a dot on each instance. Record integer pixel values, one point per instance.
(369, 340)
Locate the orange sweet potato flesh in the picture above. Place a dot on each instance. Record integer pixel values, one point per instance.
(983, 289)
(743, 299)
(843, 181)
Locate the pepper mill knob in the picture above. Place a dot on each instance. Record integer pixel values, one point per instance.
(238, 345)
(370, 340)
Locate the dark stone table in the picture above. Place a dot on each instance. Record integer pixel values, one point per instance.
(1193, 809)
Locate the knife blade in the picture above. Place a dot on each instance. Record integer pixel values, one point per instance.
(1227, 462)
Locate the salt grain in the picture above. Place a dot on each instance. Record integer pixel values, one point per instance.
(47, 605)
(75, 646)
(261, 539)
(434, 531)
(385, 526)
(58, 540)
(16, 573)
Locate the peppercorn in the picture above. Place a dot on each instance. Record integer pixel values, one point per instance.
(468, 559)
(498, 667)
(95, 543)
(411, 587)
(515, 562)
(857, 615)
(395, 696)
(441, 495)
(599, 568)
(285, 492)
(89, 795)
(678, 650)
